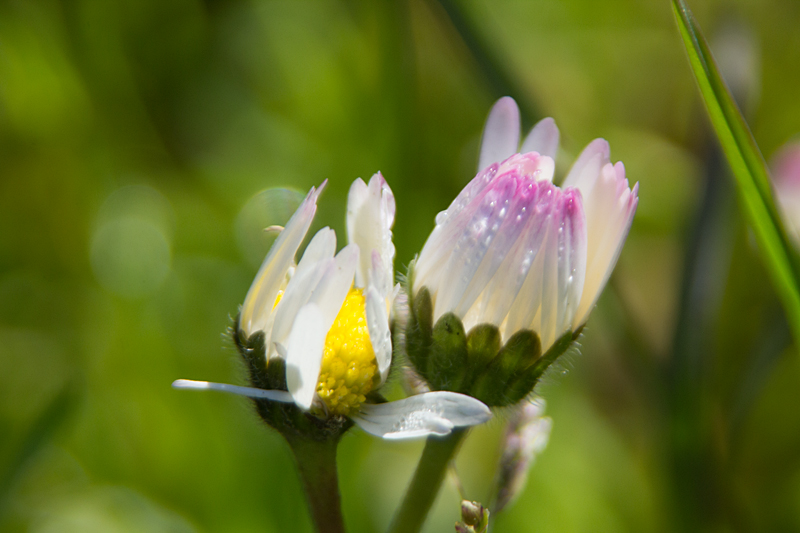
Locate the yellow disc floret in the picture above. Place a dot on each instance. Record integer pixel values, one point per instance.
(349, 370)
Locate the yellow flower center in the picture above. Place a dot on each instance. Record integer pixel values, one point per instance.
(349, 370)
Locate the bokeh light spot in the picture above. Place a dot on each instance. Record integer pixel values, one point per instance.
(269, 207)
(130, 257)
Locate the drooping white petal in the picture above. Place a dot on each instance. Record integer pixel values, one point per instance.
(304, 354)
(431, 413)
(335, 283)
(609, 206)
(314, 263)
(501, 133)
(370, 216)
(250, 392)
(261, 296)
(378, 326)
(543, 139)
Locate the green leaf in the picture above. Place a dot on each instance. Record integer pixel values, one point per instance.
(748, 166)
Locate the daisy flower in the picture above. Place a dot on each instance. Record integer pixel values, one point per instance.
(518, 260)
(323, 323)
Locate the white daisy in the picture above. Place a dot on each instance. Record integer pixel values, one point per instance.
(327, 318)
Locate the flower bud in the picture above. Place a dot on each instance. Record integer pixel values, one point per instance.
(474, 518)
(516, 262)
(526, 436)
(472, 513)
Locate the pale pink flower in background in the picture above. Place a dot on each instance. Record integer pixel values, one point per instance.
(526, 436)
(519, 252)
(786, 178)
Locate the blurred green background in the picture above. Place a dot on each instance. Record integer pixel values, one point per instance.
(144, 144)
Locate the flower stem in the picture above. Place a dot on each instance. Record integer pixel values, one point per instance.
(427, 480)
(316, 461)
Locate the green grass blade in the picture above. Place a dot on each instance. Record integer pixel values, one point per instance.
(748, 166)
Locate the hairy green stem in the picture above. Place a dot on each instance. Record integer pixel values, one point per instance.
(427, 480)
(316, 461)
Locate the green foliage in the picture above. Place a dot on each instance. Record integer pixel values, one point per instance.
(174, 121)
(748, 166)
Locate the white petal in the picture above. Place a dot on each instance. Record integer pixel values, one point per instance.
(378, 279)
(261, 296)
(495, 303)
(335, 283)
(385, 427)
(501, 133)
(543, 139)
(370, 216)
(609, 207)
(528, 302)
(321, 247)
(545, 323)
(304, 354)
(379, 335)
(448, 225)
(431, 413)
(317, 257)
(516, 212)
(468, 250)
(535, 305)
(469, 210)
(571, 259)
(250, 392)
(586, 168)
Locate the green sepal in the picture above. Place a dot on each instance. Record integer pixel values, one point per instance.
(524, 382)
(483, 344)
(524, 348)
(475, 363)
(419, 331)
(447, 359)
(521, 350)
